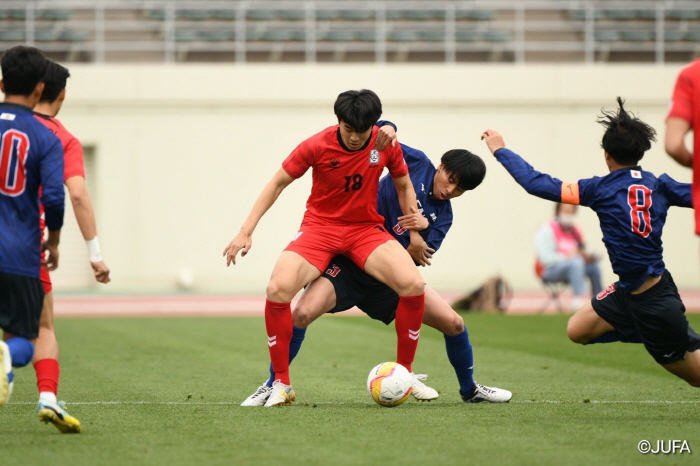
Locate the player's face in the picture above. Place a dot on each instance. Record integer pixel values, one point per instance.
(445, 185)
(353, 139)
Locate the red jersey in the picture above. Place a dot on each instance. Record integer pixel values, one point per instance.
(345, 183)
(73, 164)
(686, 105)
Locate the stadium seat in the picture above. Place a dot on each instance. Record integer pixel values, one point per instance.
(337, 36)
(582, 14)
(468, 36)
(637, 36)
(553, 290)
(326, 15)
(693, 36)
(186, 36)
(217, 36)
(225, 14)
(74, 36)
(46, 36)
(195, 15)
(284, 36)
(480, 15)
(402, 36)
(497, 36)
(56, 15)
(683, 14)
(357, 15)
(621, 14)
(606, 36)
(17, 13)
(12, 36)
(674, 36)
(432, 36)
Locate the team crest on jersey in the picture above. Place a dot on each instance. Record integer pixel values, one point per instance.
(335, 163)
(374, 157)
(636, 173)
(7, 116)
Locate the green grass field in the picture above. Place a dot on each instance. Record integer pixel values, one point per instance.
(165, 391)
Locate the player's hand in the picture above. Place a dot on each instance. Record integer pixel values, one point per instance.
(414, 220)
(242, 242)
(386, 135)
(51, 261)
(101, 271)
(493, 140)
(419, 250)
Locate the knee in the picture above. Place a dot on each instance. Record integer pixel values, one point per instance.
(415, 287)
(576, 335)
(455, 325)
(578, 263)
(302, 317)
(277, 292)
(694, 382)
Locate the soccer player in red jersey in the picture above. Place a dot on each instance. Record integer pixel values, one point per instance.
(46, 354)
(341, 218)
(684, 116)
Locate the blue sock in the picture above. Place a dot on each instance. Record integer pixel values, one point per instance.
(616, 336)
(294, 347)
(21, 351)
(459, 352)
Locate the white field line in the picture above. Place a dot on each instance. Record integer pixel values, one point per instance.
(234, 403)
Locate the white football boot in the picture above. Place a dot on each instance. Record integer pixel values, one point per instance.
(490, 394)
(6, 374)
(421, 391)
(259, 397)
(281, 395)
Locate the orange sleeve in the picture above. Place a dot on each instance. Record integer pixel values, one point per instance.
(569, 193)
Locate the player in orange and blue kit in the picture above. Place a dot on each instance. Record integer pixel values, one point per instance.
(30, 157)
(632, 204)
(341, 218)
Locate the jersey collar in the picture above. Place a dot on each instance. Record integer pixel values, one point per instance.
(340, 141)
(16, 106)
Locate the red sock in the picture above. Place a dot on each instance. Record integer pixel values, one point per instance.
(278, 322)
(409, 315)
(47, 371)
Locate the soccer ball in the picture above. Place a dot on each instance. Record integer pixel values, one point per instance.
(389, 384)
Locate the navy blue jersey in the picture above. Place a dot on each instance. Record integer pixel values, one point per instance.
(438, 213)
(631, 205)
(31, 156)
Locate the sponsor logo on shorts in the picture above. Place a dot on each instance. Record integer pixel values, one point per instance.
(333, 271)
(609, 290)
(374, 157)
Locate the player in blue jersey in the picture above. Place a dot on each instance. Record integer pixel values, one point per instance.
(30, 157)
(632, 204)
(344, 284)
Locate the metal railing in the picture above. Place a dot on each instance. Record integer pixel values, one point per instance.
(380, 31)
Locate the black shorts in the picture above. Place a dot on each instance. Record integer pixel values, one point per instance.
(354, 287)
(657, 315)
(21, 300)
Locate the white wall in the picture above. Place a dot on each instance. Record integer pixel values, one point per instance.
(183, 151)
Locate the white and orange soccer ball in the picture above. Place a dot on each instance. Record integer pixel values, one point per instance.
(389, 384)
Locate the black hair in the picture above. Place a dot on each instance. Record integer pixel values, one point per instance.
(22, 69)
(626, 137)
(468, 168)
(557, 208)
(54, 82)
(359, 109)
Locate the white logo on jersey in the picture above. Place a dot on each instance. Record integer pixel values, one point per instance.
(635, 173)
(433, 216)
(374, 157)
(7, 116)
(297, 235)
(422, 187)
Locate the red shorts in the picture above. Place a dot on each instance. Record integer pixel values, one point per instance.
(319, 242)
(45, 277)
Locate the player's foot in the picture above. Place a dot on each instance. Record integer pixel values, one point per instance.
(421, 391)
(6, 374)
(490, 394)
(55, 414)
(280, 395)
(259, 397)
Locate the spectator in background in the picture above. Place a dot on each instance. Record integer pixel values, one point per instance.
(562, 257)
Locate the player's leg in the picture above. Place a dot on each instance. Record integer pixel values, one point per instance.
(391, 264)
(291, 273)
(47, 371)
(587, 325)
(687, 369)
(440, 315)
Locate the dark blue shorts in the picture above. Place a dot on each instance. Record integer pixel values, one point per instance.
(657, 315)
(353, 287)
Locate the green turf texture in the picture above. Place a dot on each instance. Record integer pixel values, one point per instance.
(176, 384)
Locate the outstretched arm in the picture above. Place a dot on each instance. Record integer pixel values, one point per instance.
(84, 214)
(244, 239)
(535, 183)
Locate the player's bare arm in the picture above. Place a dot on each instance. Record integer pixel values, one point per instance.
(676, 129)
(85, 216)
(243, 241)
(411, 219)
(419, 250)
(493, 139)
(51, 247)
(385, 136)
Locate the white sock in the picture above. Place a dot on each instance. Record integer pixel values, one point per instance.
(48, 396)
